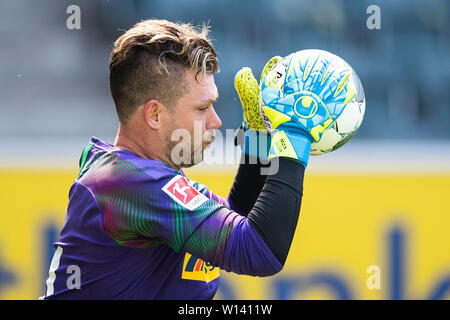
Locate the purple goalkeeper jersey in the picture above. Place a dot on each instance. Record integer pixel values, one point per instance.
(136, 228)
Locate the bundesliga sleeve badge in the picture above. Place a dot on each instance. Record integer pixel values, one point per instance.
(179, 189)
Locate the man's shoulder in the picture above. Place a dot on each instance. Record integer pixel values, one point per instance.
(104, 162)
(150, 169)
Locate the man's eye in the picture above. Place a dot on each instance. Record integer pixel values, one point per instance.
(204, 108)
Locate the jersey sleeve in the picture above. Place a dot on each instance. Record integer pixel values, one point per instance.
(203, 189)
(185, 205)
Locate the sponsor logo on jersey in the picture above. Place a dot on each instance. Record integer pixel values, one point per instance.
(197, 269)
(183, 193)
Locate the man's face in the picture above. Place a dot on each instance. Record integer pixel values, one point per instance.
(191, 125)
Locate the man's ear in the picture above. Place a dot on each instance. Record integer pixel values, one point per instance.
(152, 112)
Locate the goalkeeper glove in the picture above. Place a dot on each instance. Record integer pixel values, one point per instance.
(253, 137)
(295, 97)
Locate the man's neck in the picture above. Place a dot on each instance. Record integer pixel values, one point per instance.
(125, 142)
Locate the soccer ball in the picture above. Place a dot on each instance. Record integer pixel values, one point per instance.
(349, 115)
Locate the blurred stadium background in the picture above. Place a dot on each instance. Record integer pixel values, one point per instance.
(382, 200)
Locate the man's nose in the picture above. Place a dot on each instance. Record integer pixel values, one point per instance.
(214, 121)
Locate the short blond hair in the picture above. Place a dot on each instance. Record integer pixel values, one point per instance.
(149, 62)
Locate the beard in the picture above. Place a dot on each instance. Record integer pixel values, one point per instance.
(190, 153)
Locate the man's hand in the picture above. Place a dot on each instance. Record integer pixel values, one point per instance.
(297, 96)
(253, 134)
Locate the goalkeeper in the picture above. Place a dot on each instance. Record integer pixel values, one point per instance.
(136, 227)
